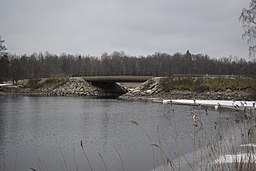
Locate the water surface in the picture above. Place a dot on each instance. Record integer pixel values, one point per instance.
(45, 133)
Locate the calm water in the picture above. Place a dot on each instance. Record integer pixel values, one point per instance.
(45, 133)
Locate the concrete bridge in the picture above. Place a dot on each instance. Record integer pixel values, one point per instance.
(109, 83)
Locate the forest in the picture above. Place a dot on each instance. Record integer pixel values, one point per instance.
(42, 65)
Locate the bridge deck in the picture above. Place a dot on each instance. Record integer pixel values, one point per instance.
(117, 78)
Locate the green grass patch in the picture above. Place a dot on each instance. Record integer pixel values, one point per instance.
(43, 83)
(222, 84)
(54, 82)
(211, 84)
(184, 84)
(33, 83)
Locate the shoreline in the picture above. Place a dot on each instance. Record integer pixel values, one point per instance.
(63, 86)
(193, 89)
(240, 96)
(189, 95)
(156, 88)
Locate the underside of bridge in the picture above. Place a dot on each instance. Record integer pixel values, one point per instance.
(110, 85)
(112, 88)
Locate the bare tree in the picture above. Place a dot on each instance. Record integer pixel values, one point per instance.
(16, 70)
(4, 62)
(248, 19)
(2, 47)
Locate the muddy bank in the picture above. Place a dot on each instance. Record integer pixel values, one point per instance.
(74, 86)
(173, 88)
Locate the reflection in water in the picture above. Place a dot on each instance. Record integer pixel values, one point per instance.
(2, 126)
(45, 133)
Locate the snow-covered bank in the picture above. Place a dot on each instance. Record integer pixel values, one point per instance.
(238, 105)
(233, 148)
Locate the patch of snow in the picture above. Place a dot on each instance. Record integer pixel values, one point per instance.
(238, 158)
(249, 145)
(148, 91)
(2, 85)
(136, 91)
(166, 101)
(239, 105)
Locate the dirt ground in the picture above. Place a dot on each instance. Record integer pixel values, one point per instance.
(131, 85)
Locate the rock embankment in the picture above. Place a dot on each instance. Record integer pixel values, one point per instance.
(158, 87)
(78, 87)
(162, 88)
(74, 86)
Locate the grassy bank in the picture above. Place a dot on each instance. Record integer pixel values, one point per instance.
(45, 83)
(247, 85)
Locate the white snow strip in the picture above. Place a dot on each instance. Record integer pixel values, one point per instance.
(166, 101)
(248, 145)
(2, 85)
(229, 158)
(239, 105)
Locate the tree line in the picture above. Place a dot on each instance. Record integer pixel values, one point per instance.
(16, 67)
(39, 65)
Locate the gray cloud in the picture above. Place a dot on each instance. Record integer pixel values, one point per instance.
(136, 27)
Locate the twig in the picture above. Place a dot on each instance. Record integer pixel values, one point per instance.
(103, 161)
(74, 153)
(119, 157)
(86, 156)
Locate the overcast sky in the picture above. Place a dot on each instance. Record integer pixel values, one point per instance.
(137, 27)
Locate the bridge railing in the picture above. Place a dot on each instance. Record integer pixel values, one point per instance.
(157, 74)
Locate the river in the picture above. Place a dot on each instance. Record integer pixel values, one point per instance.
(76, 133)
